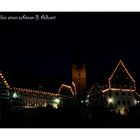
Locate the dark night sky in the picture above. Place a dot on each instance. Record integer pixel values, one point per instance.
(36, 51)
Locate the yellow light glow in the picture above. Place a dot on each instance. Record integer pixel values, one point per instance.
(55, 106)
(110, 100)
(57, 100)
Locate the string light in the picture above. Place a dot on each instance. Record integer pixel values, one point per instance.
(4, 80)
(117, 89)
(66, 86)
(121, 63)
(35, 91)
(74, 87)
(137, 94)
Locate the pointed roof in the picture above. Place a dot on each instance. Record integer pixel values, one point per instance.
(3, 82)
(64, 90)
(121, 78)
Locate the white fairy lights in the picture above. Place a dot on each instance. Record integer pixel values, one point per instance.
(66, 86)
(121, 63)
(4, 80)
(117, 89)
(74, 87)
(35, 91)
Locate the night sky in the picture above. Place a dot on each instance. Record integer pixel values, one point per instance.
(32, 52)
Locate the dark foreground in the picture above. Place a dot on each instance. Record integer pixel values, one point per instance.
(52, 118)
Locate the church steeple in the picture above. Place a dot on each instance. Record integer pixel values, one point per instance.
(79, 77)
(79, 70)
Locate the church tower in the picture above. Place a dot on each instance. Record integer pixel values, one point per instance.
(79, 77)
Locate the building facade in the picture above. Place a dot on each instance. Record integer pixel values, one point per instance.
(121, 91)
(28, 98)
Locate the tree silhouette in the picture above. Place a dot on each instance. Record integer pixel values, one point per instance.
(95, 99)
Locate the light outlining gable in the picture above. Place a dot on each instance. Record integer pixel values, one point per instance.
(74, 87)
(4, 80)
(66, 86)
(121, 63)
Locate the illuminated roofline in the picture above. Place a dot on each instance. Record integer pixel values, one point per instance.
(137, 94)
(74, 87)
(120, 62)
(35, 91)
(5, 82)
(69, 87)
(117, 89)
